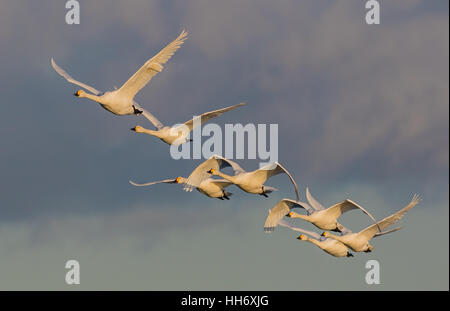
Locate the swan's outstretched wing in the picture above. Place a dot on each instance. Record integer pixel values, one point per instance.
(166, 181)
(345, 206)
(151, 68)
(386, 232)
(149, 116)
(209, 115)
(314, 203)
(295, 228)
(66, 76)
(370, 231)
(281, 209)
(222, 183)
(273, 169)
(200, 173)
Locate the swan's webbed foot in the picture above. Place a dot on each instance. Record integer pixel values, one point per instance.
(368, 250)
(264, 194)
(220, 198)
(336, 230)
(349, 254)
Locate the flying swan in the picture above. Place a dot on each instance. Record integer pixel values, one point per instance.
(328, 245)
(178, 134)
(213, 188)
(121, 101)
(323, 218)
(251, 182)
(359, 241)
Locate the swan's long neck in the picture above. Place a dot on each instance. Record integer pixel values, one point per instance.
(314, 241)
(150, 132)
(92, 97)
(336, 237)
(225, 176)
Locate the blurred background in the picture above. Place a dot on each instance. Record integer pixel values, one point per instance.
(362, 111)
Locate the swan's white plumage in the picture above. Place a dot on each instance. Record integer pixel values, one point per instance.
(65, 75)
(178, 134)
(151, 67)
(213, 188)
(200, 173)
(281, 209)
(325, 219)
(251, 182)
(359, 241)
(121, 101)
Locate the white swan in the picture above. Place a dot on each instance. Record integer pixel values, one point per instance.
(251, 182)
(322, 218)
(328, 245)
(359, 241)
(120, 101)
(213, 188)
(177, 135)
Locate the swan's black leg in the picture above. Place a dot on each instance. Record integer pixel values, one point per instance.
(137, 111)
(349, 254)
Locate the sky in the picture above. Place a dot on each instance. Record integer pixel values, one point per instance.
(362, 112)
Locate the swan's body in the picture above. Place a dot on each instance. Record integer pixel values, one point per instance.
(213, 188)
(328, 245)
(359, 241)
(323, 218)
(251, 182)
(179, 134)
(121, 101)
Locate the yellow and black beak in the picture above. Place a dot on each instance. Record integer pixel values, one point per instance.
(210, 171)
(133, 129)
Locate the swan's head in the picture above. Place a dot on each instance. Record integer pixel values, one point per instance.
(80, 93)
(290, 214)
(211, 171)
(325, 234)
(302, 237)
(179, 180)
(138, 129)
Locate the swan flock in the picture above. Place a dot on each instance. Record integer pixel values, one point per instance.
(209, 179)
